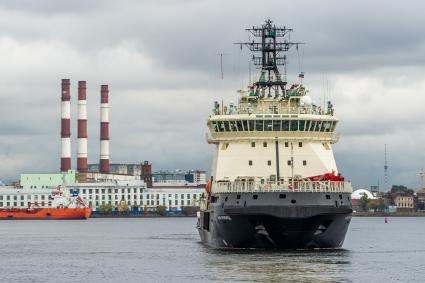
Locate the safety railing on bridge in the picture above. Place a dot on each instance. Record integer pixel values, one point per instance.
(296, 186)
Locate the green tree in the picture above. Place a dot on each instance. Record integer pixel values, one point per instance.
(105, 209)
(123, 207)
(381, 205)
(373, 206)
(190, 210)
(398, 189)
(364, 202)
(161, 210)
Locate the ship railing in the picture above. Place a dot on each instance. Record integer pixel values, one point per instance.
(296, 186)
(275, 110)
(283, 110)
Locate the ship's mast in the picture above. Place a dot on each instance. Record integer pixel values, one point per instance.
(272, 55)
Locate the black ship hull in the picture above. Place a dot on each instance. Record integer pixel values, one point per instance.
(315, 223)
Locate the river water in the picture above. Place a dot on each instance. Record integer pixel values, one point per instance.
(168, 250)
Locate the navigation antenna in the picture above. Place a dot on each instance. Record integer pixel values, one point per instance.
(221, 64)
(271, 56)
(385, 169)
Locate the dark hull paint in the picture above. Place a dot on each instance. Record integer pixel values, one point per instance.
(275, 226)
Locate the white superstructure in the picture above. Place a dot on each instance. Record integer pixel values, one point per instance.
(273, 140)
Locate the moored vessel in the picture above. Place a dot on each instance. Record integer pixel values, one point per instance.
(275, 182)
(55, 204)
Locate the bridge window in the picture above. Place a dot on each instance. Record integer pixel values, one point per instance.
(273, 125)
(264, 144)
(251, 125)
(318, 126)
(300, 144)
(226, 126)
(239, 125)
(220, 126)
(245, 125)
(252, 144)
(286, 144)
(323, 126)
(333, 126)
(269, 162)
(259, 125)
(289, 162)
(250, 162)
(268, 126)
(307, 125)
(285, 125)
(313, 126)
(233, 126)
(305, 162)
(276, 125)
(294, 125)
(302, 125)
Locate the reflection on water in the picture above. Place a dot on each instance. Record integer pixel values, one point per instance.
(280, 266)
(169, 250)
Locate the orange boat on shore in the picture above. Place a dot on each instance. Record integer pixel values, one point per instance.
(45, 213)
(60, 204)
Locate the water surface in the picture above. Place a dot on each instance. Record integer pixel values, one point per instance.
(168, 250)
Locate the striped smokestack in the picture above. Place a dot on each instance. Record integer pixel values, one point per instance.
(66, 126)
(104, 130)
(82, 128)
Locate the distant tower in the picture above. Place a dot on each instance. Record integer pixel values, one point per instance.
(386, 169)
(65, 126)
(104, 130)
(421, 177)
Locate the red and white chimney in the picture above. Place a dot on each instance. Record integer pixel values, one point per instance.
(104, 130)
(66, 126)
(82, 128)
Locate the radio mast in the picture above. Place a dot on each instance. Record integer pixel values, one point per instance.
(385, 169)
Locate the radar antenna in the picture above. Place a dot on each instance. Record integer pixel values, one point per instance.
(272, 55)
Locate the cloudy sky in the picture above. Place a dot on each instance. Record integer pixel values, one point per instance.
(160, 60)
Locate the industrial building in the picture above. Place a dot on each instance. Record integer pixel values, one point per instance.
(137, 196)
(180, 176)
(168, 176)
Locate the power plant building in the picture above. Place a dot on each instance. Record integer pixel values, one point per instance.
(115, 184)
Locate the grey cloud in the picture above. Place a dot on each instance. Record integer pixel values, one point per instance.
(160, 59)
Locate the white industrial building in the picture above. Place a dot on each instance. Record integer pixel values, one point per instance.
(137, 196)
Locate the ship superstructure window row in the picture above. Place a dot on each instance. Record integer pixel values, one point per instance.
(274, 125)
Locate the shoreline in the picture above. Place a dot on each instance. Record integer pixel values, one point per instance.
(141, 216)
(394, 214)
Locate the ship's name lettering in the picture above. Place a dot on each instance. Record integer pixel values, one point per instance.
(224, 218)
